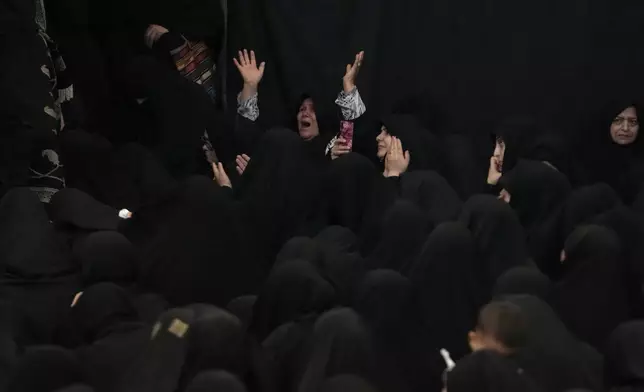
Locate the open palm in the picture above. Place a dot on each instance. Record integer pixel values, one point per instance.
(247, 66)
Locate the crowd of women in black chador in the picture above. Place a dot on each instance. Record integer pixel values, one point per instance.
(345, 251)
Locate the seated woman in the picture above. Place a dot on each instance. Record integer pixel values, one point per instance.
(523, 138)
(614, 154)
(309, 124)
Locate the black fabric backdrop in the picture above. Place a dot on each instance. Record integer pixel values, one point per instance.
(472, 61)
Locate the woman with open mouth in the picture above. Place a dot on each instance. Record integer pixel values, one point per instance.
(310, 124)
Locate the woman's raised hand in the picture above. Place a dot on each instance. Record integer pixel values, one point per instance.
(247, 66)
(349, 79)
(153, 33)
(396, 162)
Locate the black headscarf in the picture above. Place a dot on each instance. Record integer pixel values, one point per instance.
(71, 207)
(242, 307)
(586, 203)
(107, 325)
(402, 232)
(625, 358)
(340, 344)
(293, 289)
(552, 355)
(338, 238)
(44, 369)
(433, 194)
(499, 237)
(216, 342)
(523, 280)
(424, 148)
(351, 183)
(195, 253)
(524, 138)
(406, 353)
(538, 195)
(40, 279)
(31, 249)
(606, 161)
(159, 368)
(347, 383)
(106, 256)
(197, 19)
(100, 309)
(591, 298)
(488, 371)
(216, 380)
(630, 230)
(280, 189)
(343, 266)
(446, 277)
(301, 248)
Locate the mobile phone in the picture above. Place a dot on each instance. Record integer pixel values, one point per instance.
(346, 132)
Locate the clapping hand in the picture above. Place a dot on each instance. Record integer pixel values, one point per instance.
(396, 162)
(241, 163)
(220, 175)
(247, 66)
(349, 79)
(153, 33)
(494, 172)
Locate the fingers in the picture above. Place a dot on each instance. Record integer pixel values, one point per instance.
(398, 146)
(253, 61)
(246, 157)
(221, 171)
(407, 157)
(262, 66)
(349, 67)
(340, 141)
(241, 162)
(215, 170)
(356, 62)
(246, 57)
(237, 64)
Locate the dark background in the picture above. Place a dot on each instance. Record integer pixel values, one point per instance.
(472, 61)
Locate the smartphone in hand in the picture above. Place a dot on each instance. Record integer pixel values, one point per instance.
(346, 132)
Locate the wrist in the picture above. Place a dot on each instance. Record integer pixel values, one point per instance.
(390, 173)
(348, 86)
(250, 86)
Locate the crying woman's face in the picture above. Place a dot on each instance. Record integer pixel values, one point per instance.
(307, 122)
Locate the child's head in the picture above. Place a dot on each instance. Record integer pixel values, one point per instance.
(501, 327)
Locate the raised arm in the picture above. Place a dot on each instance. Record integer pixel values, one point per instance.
(349, 98)
(247, 105)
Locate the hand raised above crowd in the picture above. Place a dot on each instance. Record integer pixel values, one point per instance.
(152, 34)
(250, 72)
(349, 79)
(396, 162)
(247, 66)
(220, 175)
